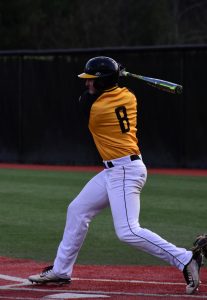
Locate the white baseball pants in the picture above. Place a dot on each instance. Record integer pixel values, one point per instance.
(118, 187)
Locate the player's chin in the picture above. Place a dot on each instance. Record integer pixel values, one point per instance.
(92, 91)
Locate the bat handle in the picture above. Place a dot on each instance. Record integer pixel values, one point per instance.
(124, 73)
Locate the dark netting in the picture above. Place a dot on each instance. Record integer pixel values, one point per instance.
(40, 122)
(10, 109)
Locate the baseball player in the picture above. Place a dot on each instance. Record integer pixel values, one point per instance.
(112, 119)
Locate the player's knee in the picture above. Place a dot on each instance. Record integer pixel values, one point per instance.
(122, 235)
(72, 208)
(78, 216)
(126, 234)
(73, 212)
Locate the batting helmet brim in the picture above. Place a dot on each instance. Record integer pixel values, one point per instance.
(87, 76)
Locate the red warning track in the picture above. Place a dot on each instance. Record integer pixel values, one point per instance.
(97, 282)
(186, 172)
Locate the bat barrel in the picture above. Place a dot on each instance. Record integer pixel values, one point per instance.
(163, 85)
(179, 89)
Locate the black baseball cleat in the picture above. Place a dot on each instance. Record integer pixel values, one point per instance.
(48, 276)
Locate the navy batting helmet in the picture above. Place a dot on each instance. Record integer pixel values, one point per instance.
(104, 70)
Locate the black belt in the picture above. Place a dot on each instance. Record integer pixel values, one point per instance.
(132, 157)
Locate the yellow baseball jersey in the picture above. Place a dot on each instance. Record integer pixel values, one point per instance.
(112, 123)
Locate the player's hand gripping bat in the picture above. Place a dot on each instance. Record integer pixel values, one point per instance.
(163, 85)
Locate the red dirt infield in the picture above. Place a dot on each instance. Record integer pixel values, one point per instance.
(97, 282)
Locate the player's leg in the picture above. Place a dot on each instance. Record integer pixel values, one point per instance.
(124, 185)
(90, 201)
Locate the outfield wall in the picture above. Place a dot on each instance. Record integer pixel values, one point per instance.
(40, 122)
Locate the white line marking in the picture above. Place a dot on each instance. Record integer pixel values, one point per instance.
(127, 281)
(11, 286)
(74, 296)
(25, 282)
(12, 278)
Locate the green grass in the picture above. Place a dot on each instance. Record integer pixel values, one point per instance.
(33, 207)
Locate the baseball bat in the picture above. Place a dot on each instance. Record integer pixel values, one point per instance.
(163, 85)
